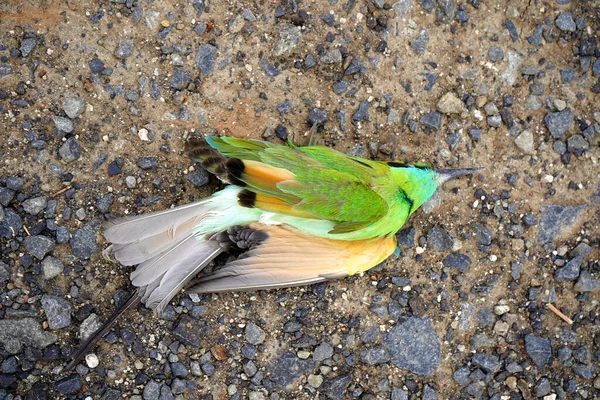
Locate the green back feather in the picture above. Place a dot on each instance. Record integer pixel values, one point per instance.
(363, 198)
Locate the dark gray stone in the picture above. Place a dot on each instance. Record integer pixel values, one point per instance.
(254, 334)
(340, 87)
(484, 235)
(459, 261)
(11, 224)
(152, 390)
(38, 245)
(461, 376)
(198, 177)
(284, 107)
(567, 75)
(70, 150)
(413, 344)
(402, 7)
(179, 370)
(336, 388)
(354, 67)
(5, 70)
(558, 123)
(58, 311)
(406, 237)
(288, 369)
(14, 183)
(208, 368)
(556, 220)
(309, 61)
(190, 330)
(495, 54)
(96, 66)
(581, 250)
(565, 22)
(333, 56)
(586, 283)
(362, 111)
(376, 355)
(63, 124)
(323, 352)
(180, 79)
(103, 203)
(68, 385)
(51, 267)
(27, 46)
(317, 116)
(180, 386)
(205, 58)
(73, 106)
(539, 349)
(147, 163)
(577, 144)
(432, 120)
(585, 371)
(583, 354)
(429, 393)
(83, 243)
(569, 272)
(399, 394)
(124, 49)
(35, 205)
(512, 30)
(536, 37)
(438, 239)
(199, 6)
(419, 44)
(487, 362)
(289, 37)
(4, 272)
(16, 333)
(62, 234)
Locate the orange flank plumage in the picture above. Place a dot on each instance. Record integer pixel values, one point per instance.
(257, 173)
(273, 204)
(290, 257)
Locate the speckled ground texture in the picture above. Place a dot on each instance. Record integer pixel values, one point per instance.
(98, 97)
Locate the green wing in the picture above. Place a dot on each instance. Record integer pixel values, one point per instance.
(329, 184)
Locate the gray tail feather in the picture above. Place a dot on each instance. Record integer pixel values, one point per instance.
(182, 263)
(136, 228)
(165, 247)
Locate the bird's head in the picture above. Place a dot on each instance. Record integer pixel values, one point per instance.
(419, 181)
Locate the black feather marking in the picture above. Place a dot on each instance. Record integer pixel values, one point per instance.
(364, 164)
(407, 198)
(235, 170)
(396, 164)
(246, 198)
(198, 149)
(213, 161)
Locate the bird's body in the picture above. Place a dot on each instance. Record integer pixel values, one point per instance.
(298, 215)
(316, 205)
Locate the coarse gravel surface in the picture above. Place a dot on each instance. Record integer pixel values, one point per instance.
(98, 97)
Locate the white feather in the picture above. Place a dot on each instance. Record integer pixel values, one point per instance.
(137, 228)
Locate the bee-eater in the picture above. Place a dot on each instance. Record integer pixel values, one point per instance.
(297, 215)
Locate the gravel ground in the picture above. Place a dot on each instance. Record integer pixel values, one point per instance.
(96, 99)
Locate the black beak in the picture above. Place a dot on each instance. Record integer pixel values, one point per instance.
(445, 175)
